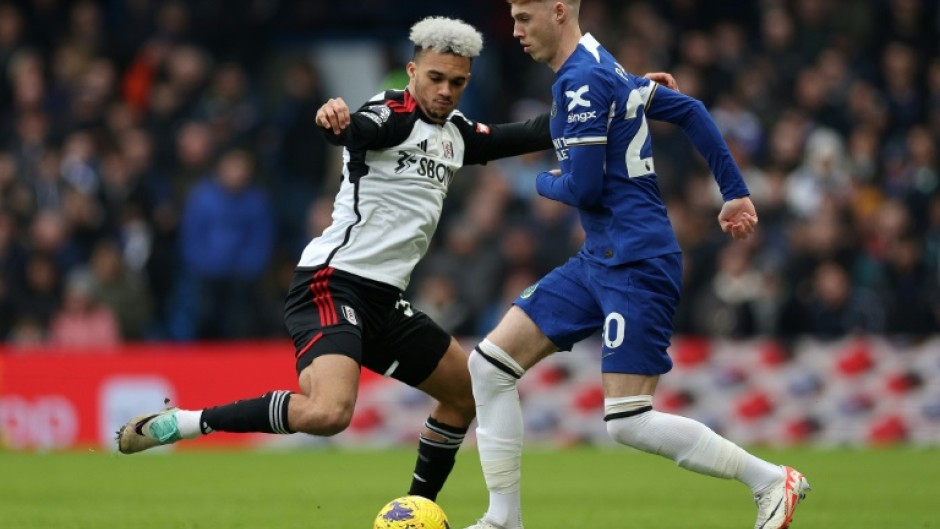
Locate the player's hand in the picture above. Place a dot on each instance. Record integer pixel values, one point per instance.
(333, 115)
(664, 78)
(555, 172)
(738, 218)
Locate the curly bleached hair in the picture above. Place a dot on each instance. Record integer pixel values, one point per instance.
(447, 35)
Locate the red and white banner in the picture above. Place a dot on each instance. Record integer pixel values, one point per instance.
(857, 391)
(53, 398)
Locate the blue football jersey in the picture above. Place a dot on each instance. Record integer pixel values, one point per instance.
(601, 137)
(596, 102)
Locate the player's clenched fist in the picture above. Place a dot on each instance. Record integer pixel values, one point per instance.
(333, 115)
(738, 218)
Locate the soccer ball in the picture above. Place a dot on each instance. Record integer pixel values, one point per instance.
(411, 512)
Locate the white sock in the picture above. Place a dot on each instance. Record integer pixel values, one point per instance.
(505, 508)
(188, 422)
(499, 432)
(693, 446)
(759, 474)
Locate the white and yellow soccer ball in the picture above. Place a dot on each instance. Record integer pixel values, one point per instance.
(411, 512)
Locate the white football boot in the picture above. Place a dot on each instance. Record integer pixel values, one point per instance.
(775, 506)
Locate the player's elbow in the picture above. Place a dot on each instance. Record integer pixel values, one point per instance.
(588, 199)
(695, 111)
(584, 195)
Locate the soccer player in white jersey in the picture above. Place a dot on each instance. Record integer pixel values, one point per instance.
(625, 280)
(345, 308)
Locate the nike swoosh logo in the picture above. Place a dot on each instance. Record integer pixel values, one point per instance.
(139, 427)
(772, 513)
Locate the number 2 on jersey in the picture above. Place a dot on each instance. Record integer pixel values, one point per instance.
(637, 166)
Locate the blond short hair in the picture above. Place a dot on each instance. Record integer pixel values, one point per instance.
(447, 35)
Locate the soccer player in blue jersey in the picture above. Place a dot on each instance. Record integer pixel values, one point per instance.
(625, 280)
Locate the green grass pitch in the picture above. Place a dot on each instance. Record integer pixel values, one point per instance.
(895, 488)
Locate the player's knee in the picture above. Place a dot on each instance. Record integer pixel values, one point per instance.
(467, 407)
(627, 431)
(335, 421)
(483, 374)
(627, 418)
(493, 368)
(462, 405)
(457, 400)
(325, 419)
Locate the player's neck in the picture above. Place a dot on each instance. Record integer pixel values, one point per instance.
(566, 45)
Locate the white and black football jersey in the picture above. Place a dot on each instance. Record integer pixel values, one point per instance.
(397, 166)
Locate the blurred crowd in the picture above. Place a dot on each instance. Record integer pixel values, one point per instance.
(160, 168)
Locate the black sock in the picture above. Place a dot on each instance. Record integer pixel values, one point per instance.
(435, 459)
(266, 414)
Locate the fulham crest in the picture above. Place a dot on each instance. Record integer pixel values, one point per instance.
(350, 315)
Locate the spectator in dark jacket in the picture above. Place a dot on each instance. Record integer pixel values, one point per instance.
(227, 236)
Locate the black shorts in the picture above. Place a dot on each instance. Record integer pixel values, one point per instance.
(329, 311)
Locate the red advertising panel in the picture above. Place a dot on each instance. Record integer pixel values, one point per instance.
(62, 398)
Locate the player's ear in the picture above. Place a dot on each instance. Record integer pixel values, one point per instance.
(411, 68)
(559, 12)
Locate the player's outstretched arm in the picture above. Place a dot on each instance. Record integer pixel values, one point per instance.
(492, 142)
(738, 217)
(512, 139)
(692, 116)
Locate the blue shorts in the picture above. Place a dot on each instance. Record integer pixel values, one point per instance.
(633, 304)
